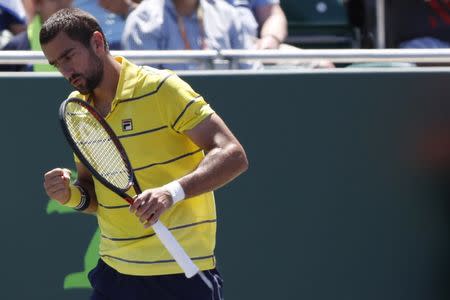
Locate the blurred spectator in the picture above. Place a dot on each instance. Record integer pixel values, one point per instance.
(266, 23)
(119, 7)
(184, 25)
(409, 23)
(362, 16)
(425, 25)
(12, 16)
(29, 39)
(111, 23)
(264, 19)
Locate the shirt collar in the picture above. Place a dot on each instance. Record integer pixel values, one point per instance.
(127, 80)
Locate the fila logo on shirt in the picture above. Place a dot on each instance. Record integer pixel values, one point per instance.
(127, 125)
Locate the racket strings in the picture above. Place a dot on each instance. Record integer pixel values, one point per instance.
(99, 148)
(101, 153)
(104, 157)
(96, 145)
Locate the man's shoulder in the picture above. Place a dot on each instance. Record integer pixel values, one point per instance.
(154, 73)
(149, 78)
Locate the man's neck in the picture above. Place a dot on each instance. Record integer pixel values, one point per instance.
(106, 91)
(186, 7)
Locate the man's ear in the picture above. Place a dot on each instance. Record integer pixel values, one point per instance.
(98, 43)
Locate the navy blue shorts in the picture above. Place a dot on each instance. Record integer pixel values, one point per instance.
(108, 284)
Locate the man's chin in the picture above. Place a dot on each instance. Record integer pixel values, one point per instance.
(82, 90)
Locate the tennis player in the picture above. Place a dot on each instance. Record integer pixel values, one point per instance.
(180, 149)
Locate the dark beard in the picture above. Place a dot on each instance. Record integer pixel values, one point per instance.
(94, 78)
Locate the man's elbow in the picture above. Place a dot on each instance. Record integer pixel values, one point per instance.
(241, 159)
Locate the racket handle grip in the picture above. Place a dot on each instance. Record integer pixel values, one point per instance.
(175, 249)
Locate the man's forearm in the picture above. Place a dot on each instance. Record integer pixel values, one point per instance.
(273, 23)
(219, 166)
(275, 26)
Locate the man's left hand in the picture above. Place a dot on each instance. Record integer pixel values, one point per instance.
(150, 205)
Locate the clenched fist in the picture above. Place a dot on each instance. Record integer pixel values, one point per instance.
(56, 184)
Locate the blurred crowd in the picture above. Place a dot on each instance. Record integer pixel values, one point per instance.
(408, 23)
(222, 24)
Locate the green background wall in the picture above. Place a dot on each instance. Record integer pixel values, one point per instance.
(347, 195)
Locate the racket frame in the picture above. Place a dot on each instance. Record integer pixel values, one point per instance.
(132, 178)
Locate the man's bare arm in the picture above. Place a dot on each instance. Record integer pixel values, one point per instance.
(87, 183)
(273, 24)
(225, 157)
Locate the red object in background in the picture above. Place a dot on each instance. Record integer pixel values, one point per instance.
(434, 147)
(441, 10)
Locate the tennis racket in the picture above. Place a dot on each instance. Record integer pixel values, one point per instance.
(99, 149)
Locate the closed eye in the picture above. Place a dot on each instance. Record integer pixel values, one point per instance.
(65, 56)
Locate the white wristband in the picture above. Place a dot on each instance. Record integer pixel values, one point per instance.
(176, 190)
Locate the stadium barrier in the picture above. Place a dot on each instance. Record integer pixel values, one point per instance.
(346, 197)
(235, 56)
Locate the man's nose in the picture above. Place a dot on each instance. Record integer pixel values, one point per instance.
(66, 71)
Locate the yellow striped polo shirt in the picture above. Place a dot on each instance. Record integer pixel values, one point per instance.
(150, 112)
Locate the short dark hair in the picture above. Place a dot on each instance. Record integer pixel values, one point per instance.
(76, 23)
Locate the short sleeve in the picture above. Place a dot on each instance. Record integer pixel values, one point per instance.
(181, 107)
(258, 3)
